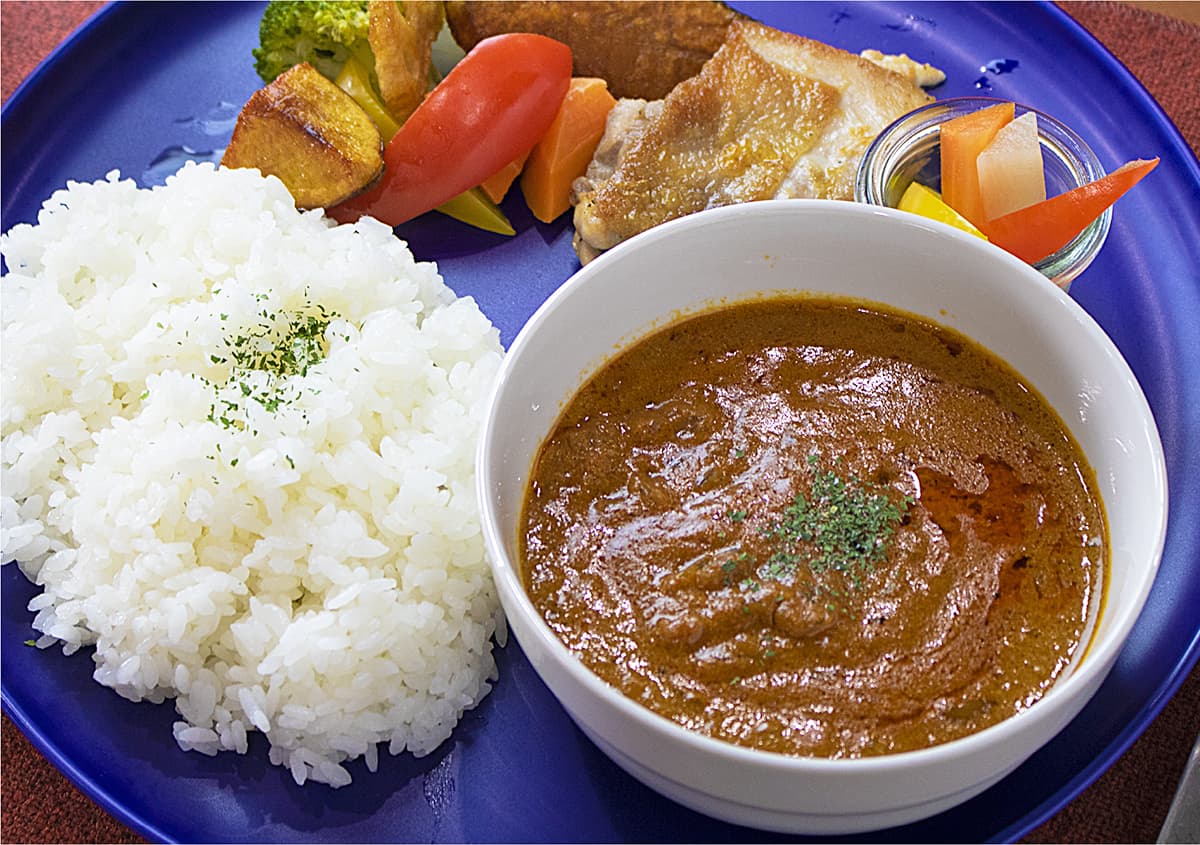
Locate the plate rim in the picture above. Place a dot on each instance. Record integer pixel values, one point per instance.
(110, 15)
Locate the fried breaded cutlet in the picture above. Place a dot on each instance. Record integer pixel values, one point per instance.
(771, 115)
(643, 49)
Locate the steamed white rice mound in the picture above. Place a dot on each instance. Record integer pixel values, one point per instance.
(311, 566)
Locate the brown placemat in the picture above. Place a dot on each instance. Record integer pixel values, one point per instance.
(1162, 52)
(30, 29)
(1126, 804)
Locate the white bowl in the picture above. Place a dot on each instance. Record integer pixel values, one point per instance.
(872, 253)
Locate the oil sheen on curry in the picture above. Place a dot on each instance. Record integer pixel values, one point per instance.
(818, 528)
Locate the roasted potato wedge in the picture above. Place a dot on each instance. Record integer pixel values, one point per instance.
(308, 132)
(401, 37)
(643, 49)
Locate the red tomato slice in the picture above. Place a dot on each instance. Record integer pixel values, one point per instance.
(491, 108)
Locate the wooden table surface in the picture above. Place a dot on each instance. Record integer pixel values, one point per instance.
(1159, 42)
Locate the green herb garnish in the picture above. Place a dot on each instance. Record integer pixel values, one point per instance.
(285, 344)
(263, 357)
(842, 525)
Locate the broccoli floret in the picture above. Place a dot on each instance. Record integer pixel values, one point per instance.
(323, 33)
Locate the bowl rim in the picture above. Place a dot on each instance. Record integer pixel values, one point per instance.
(1100, 655)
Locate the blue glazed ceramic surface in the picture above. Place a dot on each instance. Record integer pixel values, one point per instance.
(148, 82)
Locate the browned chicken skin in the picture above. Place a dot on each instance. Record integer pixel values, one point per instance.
(771, 115)
(401, 38)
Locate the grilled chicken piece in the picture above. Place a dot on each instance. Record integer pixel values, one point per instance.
(308, 132)
(922, 73)
(401, 38)
(642, 49)
(771, 115)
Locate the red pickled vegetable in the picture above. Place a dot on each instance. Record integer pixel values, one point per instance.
(1038, 230)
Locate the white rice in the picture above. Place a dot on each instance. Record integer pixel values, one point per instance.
(313, 571)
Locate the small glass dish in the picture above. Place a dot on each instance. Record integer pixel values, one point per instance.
(908, 151)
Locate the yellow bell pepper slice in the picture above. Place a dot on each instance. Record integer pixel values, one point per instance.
(926, 202)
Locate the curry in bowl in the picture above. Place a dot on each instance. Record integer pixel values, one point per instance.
(816, 526)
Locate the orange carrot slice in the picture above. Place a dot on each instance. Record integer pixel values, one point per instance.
(1033, 232)
(565, 150)
(962, 139)
(496, 186)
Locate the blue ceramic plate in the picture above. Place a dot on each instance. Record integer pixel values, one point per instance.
(142, 82)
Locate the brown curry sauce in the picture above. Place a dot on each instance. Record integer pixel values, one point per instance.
(658, 544)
